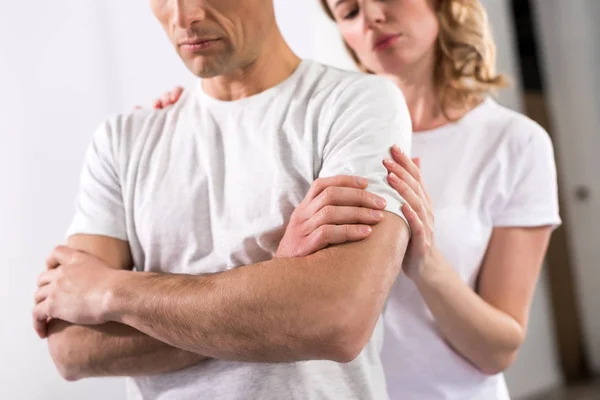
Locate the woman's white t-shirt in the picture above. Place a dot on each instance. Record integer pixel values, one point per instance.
(492, 168)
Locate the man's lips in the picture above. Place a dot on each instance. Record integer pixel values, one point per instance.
(193, 45)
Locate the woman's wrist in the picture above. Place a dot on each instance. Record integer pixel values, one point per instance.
(432, 270)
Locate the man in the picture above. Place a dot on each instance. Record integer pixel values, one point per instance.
(196, 198)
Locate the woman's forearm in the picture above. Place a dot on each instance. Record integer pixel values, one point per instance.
(481, 333)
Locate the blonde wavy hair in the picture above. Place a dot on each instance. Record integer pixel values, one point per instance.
(465, 69)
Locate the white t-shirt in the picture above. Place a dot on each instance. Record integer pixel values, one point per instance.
(493, 168)
(206, 186)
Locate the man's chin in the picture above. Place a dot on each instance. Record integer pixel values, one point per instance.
(204, 68)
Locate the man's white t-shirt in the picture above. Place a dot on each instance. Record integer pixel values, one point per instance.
(493, 168)
(206, 186)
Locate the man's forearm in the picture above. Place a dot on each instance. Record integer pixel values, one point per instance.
(323, 306)
(112, 350)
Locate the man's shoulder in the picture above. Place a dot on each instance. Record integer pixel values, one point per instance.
(124, 131)
(346, 83)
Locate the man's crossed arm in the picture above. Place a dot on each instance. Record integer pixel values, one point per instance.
(323, 306)
(109, 349)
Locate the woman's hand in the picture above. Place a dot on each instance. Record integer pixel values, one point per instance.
(335, 210)
(168, 99)
(405, 177)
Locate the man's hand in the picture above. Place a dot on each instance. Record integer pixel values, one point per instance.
(335, 210)
(73, 289)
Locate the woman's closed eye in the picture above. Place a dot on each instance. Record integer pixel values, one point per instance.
(350, 14)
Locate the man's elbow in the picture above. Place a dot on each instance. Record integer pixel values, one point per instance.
(65, 364)
(347, 351)
(68, 361)
(352, 335)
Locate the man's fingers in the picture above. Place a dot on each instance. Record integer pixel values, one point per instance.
(321, 184)
(41, 294)
(40, 320)
(342, 196)
(47, 277)
(41, 328)
(60, 255)
(337, 234)
(339, 215)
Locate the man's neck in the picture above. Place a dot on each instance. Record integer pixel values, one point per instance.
(275, 64)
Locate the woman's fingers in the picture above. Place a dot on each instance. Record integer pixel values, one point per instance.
(176, 94)
(407, 163)
(157, 105)
(405, 191)
(171, 97)
(418, 239)
(414, 200)
(402, 173)
(168, 98)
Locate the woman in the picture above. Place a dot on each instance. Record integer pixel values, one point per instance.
(458, 314)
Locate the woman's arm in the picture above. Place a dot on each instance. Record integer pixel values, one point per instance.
(486, 328)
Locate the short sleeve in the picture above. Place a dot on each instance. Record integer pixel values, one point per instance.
(99, 204)
(367, 118)
(533, 195)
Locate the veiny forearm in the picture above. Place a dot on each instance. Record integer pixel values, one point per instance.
(254, 321)
(112, 350)
(323, 306)
(481, 333)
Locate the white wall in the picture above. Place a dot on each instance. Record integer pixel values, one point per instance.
(568, 35)
(56, 88)
(61, 73)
